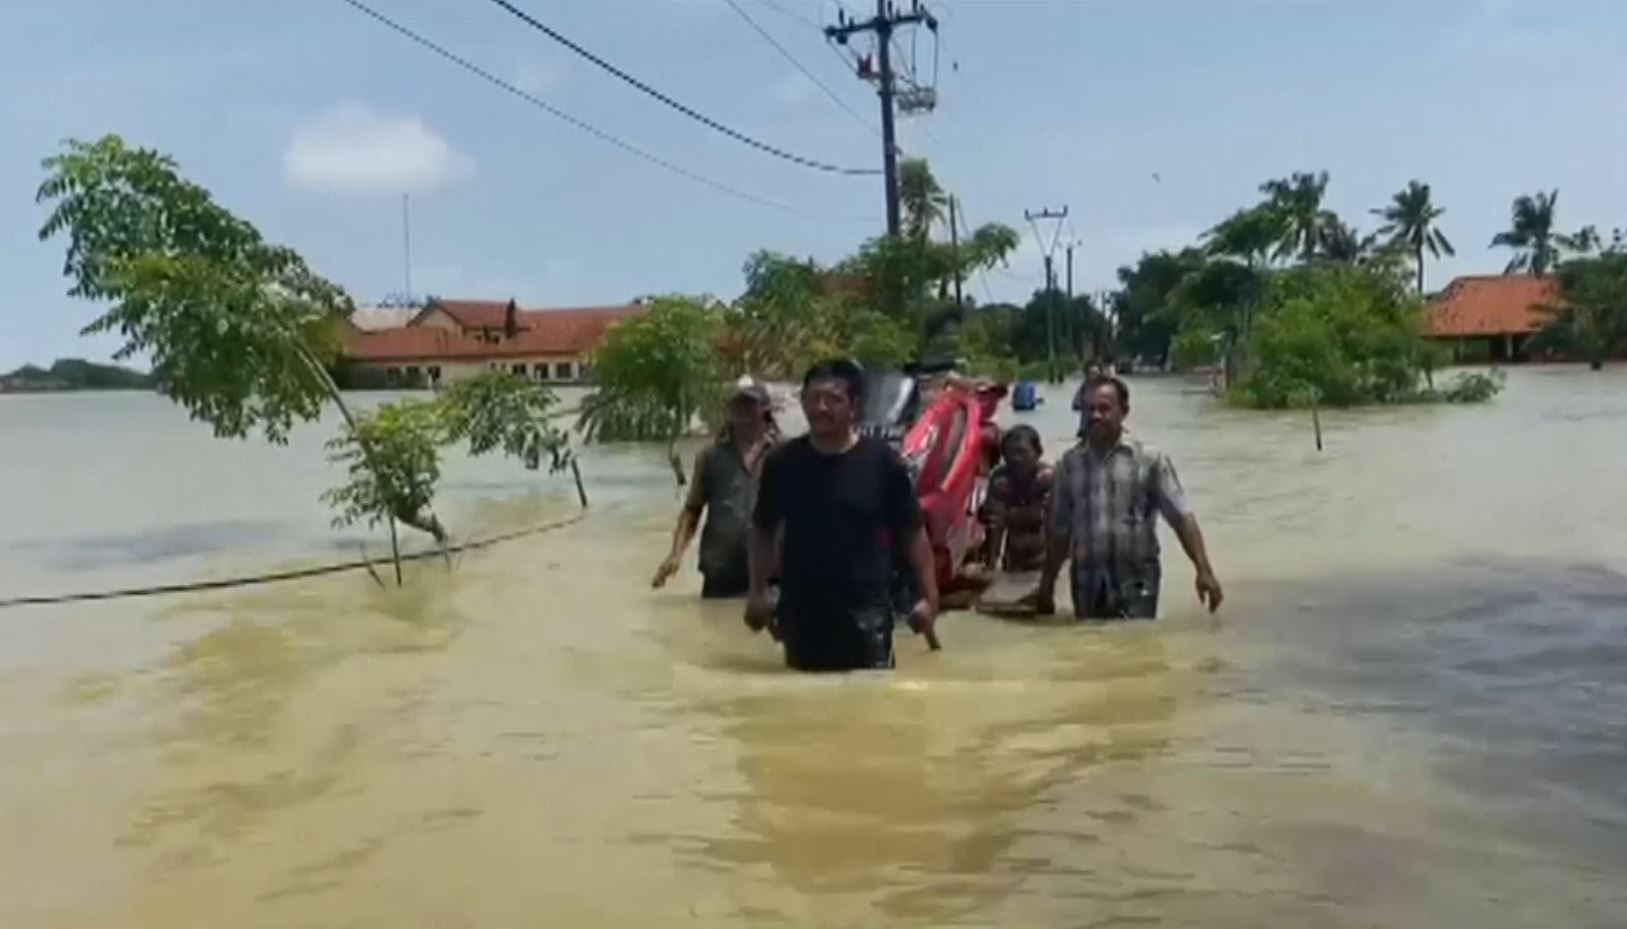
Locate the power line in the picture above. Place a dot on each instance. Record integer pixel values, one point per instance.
(783, 10)
(701, 118)
(800, 67)
(589, 128)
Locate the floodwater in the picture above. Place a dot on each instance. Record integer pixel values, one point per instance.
(1410, 712)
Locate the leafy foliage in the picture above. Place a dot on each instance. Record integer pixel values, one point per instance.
(391, 457)
(236, 328)
(1473, 387)
(1334, 335)
(1591, 316)
(654, 373)
(241, 332)
(499, 411)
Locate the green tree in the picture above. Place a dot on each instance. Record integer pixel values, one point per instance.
(1145, 310)
(1531, 234)
(240, 332)
(923, 202)
(1591, 315)
(1297, 201)
(1248, 235)
(656, 374)
(1410, 223)
(1336, 335)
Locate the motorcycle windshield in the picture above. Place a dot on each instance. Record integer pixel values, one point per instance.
(891, 403)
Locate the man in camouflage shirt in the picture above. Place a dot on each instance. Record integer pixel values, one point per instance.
(1107, 495)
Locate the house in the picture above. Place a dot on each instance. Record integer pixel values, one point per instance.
(1490, 317)
(452, 339)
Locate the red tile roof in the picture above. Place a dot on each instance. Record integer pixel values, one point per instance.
(1492, 304)
(470, 314)
(543, 332)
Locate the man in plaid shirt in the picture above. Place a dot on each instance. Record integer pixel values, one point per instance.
(1106, 497)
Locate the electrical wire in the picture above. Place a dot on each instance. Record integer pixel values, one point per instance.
(589, 128)
(784, 52)
(783, 10)
(701, 118)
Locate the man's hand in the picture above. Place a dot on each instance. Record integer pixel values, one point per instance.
(759, 612)
(923, 621)
(1209, 592)
(665, 572)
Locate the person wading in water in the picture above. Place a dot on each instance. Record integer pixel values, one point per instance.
(837, 501)
(1106, 496)
(723, 488)
(1019, 495)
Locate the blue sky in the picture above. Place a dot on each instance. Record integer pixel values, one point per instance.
(311, 120)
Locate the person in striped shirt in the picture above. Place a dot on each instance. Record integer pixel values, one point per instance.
(1107, 495)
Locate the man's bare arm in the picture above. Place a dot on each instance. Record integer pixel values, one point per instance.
(1209, 592)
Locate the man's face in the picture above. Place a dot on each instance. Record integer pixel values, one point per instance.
(1104, 418)
(828, 407)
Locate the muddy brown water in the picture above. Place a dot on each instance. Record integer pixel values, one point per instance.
(1409, 713)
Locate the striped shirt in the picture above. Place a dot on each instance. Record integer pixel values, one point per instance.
(1108, 504)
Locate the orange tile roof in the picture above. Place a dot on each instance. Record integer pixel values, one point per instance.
(1491, 304)
(470, 314)
(544, 332)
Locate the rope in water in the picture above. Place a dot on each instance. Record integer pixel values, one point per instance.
(277, 576)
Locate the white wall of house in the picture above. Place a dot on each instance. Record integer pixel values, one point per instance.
(547, 369)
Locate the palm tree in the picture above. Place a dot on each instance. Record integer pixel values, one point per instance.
(1247, 235)
(1342, 244)
(1409, 223)
(1298, 199)
(923, 201)
(1532, 233)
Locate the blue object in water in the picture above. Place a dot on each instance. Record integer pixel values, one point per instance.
(1024, 396)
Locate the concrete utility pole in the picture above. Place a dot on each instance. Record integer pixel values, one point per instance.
(1055, 375)
(954, 245)
(886, 20)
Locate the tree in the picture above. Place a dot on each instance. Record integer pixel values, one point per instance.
(1248, 235)
(1297, 200)
(1336, 335)
(240, 332)
(1342, 244)
(923, 201)
(1591, 315)
(1410, 224)
(1145, 310)
(1531, 234)
(655, 373)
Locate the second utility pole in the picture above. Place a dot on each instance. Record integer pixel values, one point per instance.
(1054, 375)
(883, 24)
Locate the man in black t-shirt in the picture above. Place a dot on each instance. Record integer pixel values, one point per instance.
(841, 501)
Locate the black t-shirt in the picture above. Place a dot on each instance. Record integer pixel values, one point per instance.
(839, 512)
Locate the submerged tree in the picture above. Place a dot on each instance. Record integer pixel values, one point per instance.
(239, 331)
(1590, 318)
(655, 373)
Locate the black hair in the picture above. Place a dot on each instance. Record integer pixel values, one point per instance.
(1026, 433)
(838, 369)
(1119, 387)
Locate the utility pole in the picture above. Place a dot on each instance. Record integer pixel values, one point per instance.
(954, 246)
(886, 20)
(1050, 280)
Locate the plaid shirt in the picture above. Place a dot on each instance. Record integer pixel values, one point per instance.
(1107, 504)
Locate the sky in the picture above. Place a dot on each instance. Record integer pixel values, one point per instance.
(1149, 119)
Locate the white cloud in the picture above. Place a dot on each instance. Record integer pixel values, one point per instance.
(350, 148)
